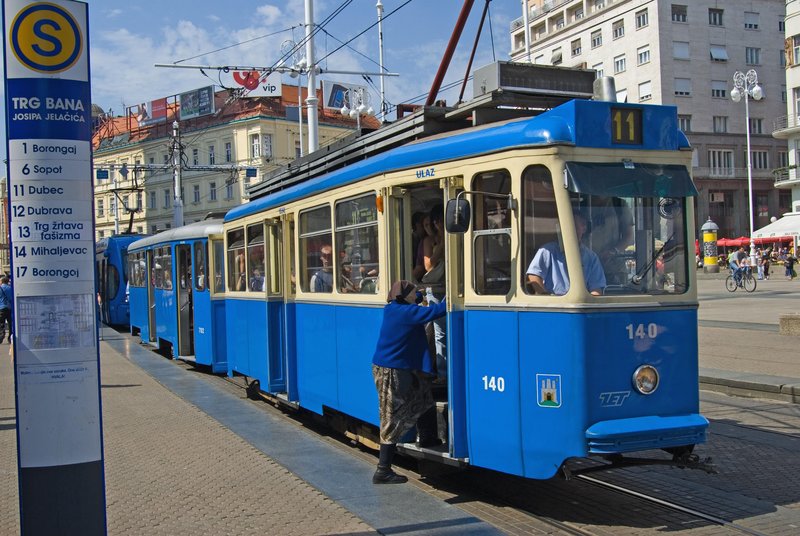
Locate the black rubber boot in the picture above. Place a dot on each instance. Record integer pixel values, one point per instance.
(384, 474)
(428, 430)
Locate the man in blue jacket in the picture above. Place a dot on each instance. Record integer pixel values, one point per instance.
(402, 368)
(6, 308)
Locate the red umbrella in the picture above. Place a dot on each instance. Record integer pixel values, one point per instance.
(724, 242)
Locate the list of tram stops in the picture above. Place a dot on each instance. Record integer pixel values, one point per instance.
(48, 125)
(49, 189)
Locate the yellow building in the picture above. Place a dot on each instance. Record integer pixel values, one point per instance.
(135, 157)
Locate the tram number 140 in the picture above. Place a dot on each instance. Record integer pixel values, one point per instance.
(494, 383)
(640, 331)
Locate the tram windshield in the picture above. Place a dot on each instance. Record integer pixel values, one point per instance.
(631, 219)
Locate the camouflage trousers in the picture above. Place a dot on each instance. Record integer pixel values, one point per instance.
(403, 395)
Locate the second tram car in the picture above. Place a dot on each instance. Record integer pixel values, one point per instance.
(176, 305)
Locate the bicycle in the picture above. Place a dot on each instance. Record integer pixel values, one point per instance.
(747, 281)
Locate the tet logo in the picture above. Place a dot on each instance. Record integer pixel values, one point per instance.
(46, 38)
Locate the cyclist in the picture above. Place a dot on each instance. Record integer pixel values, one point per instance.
(735, 262)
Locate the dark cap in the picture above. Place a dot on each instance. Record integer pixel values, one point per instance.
(401, 290)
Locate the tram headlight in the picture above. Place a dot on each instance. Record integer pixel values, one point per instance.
(645, 379)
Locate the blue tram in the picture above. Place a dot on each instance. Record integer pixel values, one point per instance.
(111, 265)
(176, 305)
(533, 373)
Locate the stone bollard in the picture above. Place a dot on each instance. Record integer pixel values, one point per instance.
(790, 324)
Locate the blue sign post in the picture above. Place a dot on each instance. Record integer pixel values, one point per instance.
(56, 354)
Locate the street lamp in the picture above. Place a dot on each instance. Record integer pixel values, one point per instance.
(356, 102)
(747, 84)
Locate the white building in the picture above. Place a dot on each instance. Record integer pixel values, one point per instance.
(685, 53)
(787, 127)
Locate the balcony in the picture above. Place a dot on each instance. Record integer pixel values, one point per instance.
(739, 173)
(786, 177)
(546, 8)
(786, 126)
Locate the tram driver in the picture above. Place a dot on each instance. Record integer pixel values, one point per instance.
(548, 274)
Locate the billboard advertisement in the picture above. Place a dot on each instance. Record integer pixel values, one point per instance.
(197, 102)
(333, 93)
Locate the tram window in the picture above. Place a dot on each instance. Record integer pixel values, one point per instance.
(236, 266)
(539, 216)
(133, 270)
(218, 252)
(167, 267)
(199, 266)
(112, 282)
(156, 275)
(357, 245)
(648, 249)
(316, 250)
(255, 257)
(647, 252)
(492, 234)
(141, 269)
(292, 256)
(162, 268)
(275, 259)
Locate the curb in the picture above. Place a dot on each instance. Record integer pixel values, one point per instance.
(751, 385)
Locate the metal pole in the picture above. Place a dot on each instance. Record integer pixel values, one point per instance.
(176, 174)
(527, 23)
(116, 205)
(448, 53)
(300, 112)
(311, 99)
(379, 5)
(749, 173)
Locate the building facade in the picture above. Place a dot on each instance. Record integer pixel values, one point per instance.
(135, 164)
(685, 54)
(787, 127)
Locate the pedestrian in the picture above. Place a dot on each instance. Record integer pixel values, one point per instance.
(767, 259)
(788, 263)
(6, 308)
(402, 368)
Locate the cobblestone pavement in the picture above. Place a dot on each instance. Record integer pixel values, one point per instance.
(171, 470)
(164, 457)
(9, 502)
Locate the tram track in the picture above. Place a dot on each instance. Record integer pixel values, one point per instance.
(670, 505)
(486, 504)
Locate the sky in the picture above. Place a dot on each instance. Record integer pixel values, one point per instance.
(127, 37)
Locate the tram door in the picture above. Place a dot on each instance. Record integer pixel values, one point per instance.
(183, 254)
(151, 298)
(276, 307)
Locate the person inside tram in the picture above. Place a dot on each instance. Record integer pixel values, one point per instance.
(257, 281)
(322, 280)
(548, 274)
(419, 265)
(346, 284)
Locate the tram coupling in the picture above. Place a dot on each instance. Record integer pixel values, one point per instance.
(683, 459)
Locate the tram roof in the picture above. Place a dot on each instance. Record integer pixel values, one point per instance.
(120, 240)
(199, 229)
(577, 122)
